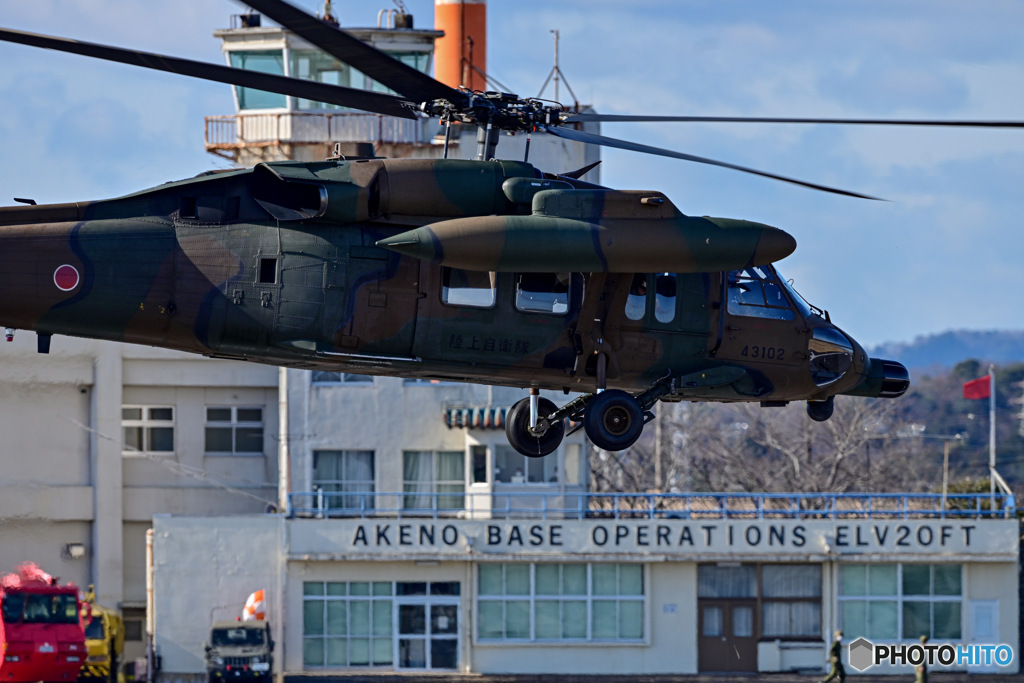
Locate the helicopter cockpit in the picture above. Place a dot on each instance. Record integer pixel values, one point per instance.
(758, 293)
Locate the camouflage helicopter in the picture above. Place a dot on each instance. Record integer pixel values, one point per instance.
(487, 271)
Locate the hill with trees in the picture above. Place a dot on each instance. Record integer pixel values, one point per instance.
(946, 349)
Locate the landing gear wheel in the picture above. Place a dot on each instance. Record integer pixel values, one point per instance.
(819, 411)
(517, 429)
(614, 420)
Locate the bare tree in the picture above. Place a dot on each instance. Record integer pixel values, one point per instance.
(742, 447)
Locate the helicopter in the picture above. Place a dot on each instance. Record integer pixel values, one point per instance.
(485, 271)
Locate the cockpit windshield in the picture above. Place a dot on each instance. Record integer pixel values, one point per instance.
(758, 293)
(802, 305)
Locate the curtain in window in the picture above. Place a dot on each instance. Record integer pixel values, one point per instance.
(743, 622)
(417, 479)
(791, 619)
(451, 482)
(791, 581)
(338, 472)
(358, 477)
(726, 582)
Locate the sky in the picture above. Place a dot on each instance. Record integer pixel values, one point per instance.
(927, 260)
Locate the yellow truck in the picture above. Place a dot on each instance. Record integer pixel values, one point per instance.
(104, 640)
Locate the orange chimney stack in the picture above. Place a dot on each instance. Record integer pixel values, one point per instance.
(461, 55)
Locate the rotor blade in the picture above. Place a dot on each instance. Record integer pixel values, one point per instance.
(628, 118)
(572, 134)
(381, 67)
(378, 103)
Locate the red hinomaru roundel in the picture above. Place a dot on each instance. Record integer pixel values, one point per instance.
(66, 278)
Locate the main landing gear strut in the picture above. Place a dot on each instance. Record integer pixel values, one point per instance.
(613, 419)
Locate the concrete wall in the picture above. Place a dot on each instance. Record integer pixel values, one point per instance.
(65, 479)
(204, 568)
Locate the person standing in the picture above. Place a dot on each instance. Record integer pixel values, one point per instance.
(921, 670)
(835, 658)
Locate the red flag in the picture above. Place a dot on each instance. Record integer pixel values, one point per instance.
(978, 388)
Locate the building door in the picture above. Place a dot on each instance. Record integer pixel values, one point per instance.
(983, 628)
(727, 617)
(726, 640)
(427, 616)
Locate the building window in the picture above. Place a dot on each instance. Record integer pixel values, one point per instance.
(433, 480)
(318, 66)
(264, 61)
(133, 630)
(901, 601)
(551, 602)
(512, 467)
(324, 377)
(345, 479)
(718, 581)
(573, 460)
(232, 430)
(147, 429)
(791, 600)
(478, 458)
(347, 623)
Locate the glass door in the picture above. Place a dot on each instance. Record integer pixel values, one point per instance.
(427, 615)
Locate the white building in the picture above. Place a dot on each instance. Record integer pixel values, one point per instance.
(99, 437)
(632, 584)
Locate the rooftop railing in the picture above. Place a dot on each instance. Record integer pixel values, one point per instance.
(244, 130)
(577, 505)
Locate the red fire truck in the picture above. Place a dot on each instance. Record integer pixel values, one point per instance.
(40, 633)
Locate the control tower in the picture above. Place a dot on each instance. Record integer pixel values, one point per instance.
(269, 126)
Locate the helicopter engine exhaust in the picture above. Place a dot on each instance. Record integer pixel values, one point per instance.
(884, 379)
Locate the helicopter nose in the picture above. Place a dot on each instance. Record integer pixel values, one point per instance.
(831, 355)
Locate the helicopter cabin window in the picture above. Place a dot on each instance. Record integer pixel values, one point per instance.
(543, 293)
(268, 270)
(664, 297)
(636, 302)
(473, 288)
(264, 61)
(757, 293)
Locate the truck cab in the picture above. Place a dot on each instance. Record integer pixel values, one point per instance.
(239, 650)
(40, 635)
(104, 641)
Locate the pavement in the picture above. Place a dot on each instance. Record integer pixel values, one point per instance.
(391, 677)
